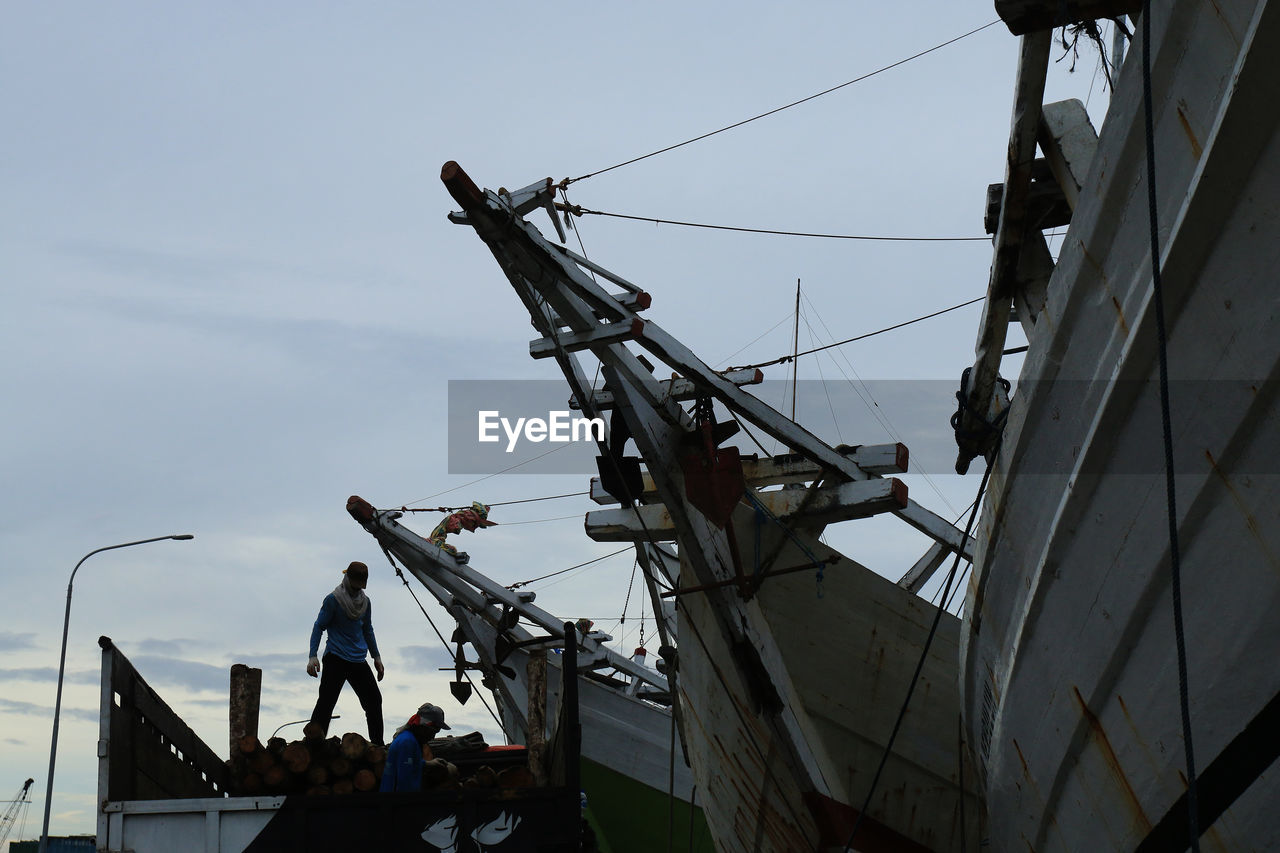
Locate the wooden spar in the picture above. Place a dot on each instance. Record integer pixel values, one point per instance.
(924, 568)
(1027, 16)
(461, 584)
(606, 333)
(823, 506)
(792, 468)
(677, 388)
(1028, 95)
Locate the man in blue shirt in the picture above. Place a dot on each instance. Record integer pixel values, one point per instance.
(403, 770)
(347, 615)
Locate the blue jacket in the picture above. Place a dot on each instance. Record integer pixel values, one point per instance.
(403, 770)
(349, 639)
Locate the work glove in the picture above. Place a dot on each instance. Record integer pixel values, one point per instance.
(382, 670)
(313, 667)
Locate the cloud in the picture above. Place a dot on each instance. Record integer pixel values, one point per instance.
(191, 674)
(48, 673)
(424, 658)
(10, 706)
(11, 641)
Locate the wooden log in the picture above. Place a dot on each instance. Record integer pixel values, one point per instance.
(516, 777)
(353, 746)
(246, 694)
(248, 745)
(340, 768)
(276, 778)
(484, 777)
(343, 786)
(251, 784)
(438, 773)
(375, 754)
(364, 780)
(313, 731)
(296, 757)
(537, 727)
(317, 774)
(261, 762)
(318, 791)
(276, 745)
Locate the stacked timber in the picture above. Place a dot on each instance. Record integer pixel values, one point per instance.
(313, 766)
(318, 766)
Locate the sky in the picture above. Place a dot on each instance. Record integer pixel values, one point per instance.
(233, 299)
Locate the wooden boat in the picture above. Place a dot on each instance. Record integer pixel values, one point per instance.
(1070, 664)
(638, 787)
(787, 697)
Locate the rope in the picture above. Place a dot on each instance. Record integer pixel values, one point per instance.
(924, 654)
(1175, 559)
(494, 474)
(582, 211)
(519, 584)
(778, 109)
(499, 503)
(443, 641)
(787, 358)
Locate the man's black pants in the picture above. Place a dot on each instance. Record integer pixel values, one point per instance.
(334, 672)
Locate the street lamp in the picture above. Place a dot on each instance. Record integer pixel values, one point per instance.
(62, 663)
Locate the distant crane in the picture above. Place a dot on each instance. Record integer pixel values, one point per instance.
(11, 813)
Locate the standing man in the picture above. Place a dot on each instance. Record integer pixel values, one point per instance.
(403, 770)
(347, 615)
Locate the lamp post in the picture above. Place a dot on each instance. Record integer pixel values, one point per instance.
(62, 663)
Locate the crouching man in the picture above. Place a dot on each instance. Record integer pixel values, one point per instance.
(403, 770)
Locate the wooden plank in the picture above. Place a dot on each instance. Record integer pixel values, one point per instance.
(1068, 140)
(631, 301)
(601, 335)
(1026, 16)
(679, 388)
(789, 468)
(1047, 205)
(857, 499)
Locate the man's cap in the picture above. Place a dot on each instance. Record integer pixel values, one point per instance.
(482, 510)
(358, 568)
(428, 714)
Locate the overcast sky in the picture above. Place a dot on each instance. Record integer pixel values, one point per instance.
(232, 298)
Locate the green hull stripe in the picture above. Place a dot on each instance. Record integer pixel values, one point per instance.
(630, 817)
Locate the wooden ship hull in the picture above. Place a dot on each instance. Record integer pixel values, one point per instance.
(1070, 674)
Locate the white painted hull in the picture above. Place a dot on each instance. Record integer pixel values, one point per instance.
(851, 654)
(1070, 681)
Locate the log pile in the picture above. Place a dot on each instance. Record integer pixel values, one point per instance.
(317, 766)
(313, 766)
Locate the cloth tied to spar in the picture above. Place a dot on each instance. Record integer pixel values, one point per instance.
(470, 519)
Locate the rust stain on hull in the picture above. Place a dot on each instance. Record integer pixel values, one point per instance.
(1249, 521)
(1196, 148)
(1111, 759)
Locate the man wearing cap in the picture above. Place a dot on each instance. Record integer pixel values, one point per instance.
(347, 615)
(403, 770)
